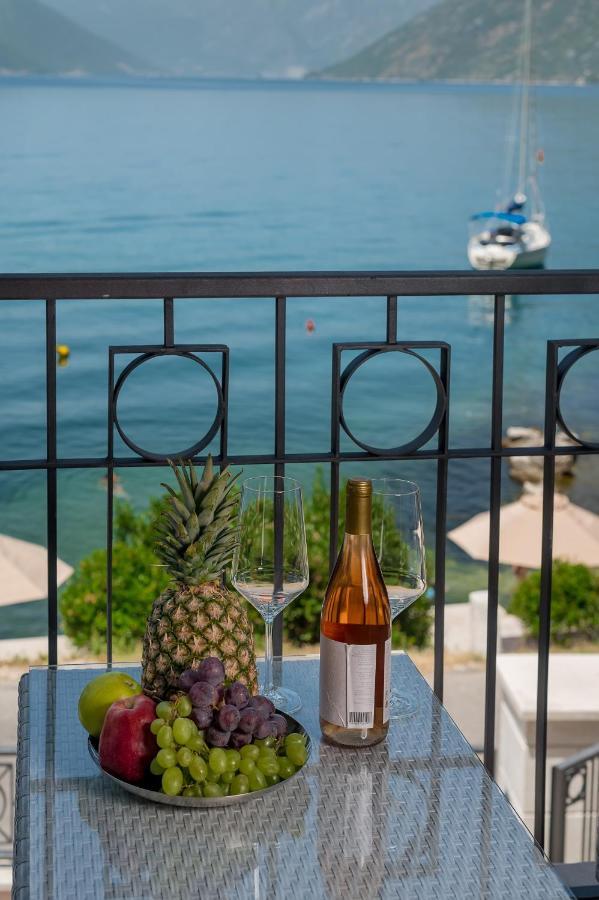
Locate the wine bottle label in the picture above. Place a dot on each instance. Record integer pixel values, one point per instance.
(347, 683)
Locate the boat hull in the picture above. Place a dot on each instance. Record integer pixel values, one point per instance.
(528, 252)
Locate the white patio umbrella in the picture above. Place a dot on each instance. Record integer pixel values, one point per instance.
(575, 533)
(24, 571)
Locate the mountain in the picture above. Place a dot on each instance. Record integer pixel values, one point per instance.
(36, 39)
(470, 40)
(247, 38)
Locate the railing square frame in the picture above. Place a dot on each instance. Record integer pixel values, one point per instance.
(141, 354)
(438, 425)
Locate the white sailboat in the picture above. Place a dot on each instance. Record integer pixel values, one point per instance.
(515, 234)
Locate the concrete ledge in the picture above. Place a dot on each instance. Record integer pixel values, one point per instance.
(33, 648)
(573, 680)
(466, 627)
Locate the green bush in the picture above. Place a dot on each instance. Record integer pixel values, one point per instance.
(574, 602)
(137, 581)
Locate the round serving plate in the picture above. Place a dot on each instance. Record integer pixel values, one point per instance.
(148, 790)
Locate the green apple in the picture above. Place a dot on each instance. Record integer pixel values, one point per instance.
(97, 697)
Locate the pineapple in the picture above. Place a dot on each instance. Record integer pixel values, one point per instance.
(196, 615)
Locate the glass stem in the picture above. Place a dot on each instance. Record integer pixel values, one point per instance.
(268, 685)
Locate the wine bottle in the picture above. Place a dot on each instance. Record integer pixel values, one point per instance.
(355, 634)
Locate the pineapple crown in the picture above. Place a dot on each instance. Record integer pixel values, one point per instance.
(196, 533)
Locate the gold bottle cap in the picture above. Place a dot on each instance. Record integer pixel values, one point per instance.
(358, 507)
(361, 487)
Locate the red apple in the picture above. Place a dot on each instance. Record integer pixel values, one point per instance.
(127, 746)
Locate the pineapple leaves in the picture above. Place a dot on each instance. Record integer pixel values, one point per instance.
(193, 527)
(207, 477)
(185, 485)
(205, 517)
(174, 499)
(193, 478)
(196, 534)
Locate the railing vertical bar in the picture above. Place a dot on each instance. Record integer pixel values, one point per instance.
(169, 321)
(595, 810)
(335, 473)
(51, 483)
(558, 815)
(494, 531)
(334, 515)
(592, 831)
(585, 809)
(280, 354)
(588, 810)
(593, 824)
(591, 796)
(592, 809)
(109, 508)
(441, 534)
(545, 597)
(224, 429)
(392, 319)
(597, 814)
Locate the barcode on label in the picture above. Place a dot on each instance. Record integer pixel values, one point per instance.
(360, 718)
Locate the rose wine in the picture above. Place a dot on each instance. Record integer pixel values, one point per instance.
(355, 634)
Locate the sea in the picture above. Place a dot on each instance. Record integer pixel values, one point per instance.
(145, 176)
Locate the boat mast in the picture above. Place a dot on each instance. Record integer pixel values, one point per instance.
(525, 98)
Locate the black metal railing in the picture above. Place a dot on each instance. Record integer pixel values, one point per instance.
(280, 287)
(7, 800)
(575, 790)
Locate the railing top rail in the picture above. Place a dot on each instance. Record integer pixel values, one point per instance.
(214, 285)
(578, 759)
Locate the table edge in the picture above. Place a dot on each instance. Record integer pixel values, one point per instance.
(20, 869)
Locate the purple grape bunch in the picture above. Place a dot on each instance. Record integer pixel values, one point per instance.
(248, 720)
(202, 693)
(211, 669)
(237, 694)
(228, 715)
(202, 716)
(187, 679)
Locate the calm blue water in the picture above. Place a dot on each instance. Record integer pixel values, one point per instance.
(254, 176)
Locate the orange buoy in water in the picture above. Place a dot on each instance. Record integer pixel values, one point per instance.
(310, 326)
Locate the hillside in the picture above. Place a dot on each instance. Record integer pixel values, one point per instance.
(36, 39)
(247, 38)
(474, 41)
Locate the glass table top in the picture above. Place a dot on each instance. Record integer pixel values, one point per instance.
(414, 817)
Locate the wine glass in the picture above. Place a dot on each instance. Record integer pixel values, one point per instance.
(398, 537)
(270, 565)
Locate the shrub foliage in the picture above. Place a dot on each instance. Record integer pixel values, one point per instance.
(137, 580)
(574, 602)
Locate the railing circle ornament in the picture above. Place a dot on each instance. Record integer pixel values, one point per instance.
(188, 452)
(426, 434)
(564, 367)
(576, 785)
